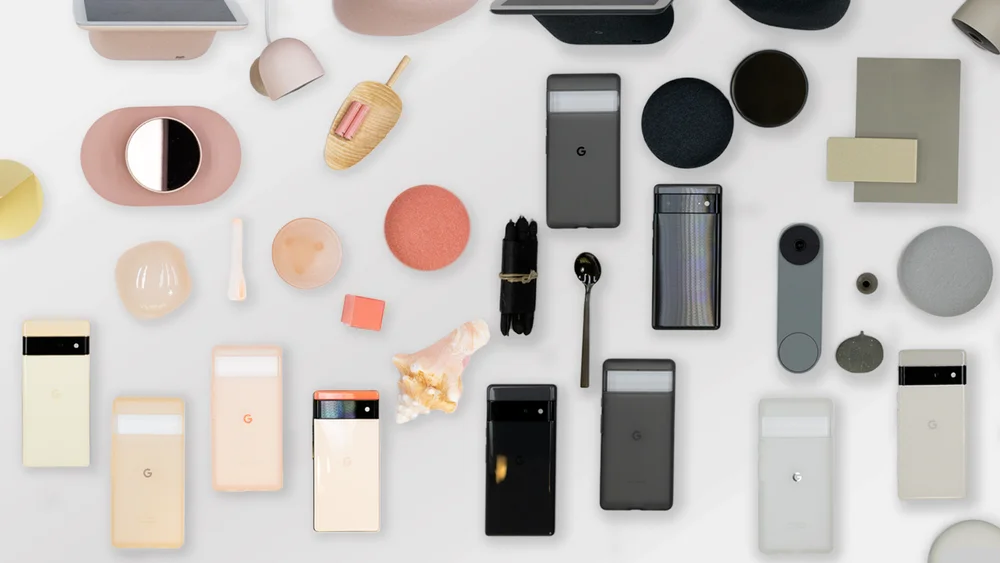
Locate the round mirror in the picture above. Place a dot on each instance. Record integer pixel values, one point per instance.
(163, 155)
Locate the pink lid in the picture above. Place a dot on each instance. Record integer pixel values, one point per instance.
(397, 17)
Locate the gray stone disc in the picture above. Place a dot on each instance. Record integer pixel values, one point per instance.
(860, 354)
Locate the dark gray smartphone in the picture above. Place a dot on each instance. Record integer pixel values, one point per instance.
(687, 257)
(583, 151)
(521, 460)
(637, 435)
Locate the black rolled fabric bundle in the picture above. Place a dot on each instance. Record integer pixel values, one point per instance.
(518, 277)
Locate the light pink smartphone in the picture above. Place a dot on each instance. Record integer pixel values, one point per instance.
(247, 450)
(346, 479)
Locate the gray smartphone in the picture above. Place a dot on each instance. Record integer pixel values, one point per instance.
(687, 257)
(637, 435)
(931, 449)
(583, 151)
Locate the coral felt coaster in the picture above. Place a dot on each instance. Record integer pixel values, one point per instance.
(427, 227)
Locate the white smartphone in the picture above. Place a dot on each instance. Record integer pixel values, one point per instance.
(931, 450)
(795, 476)
(55, 401)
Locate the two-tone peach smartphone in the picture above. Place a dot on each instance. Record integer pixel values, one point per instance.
(55, 400)
(147, 473)
(247, 450)
(346, 478)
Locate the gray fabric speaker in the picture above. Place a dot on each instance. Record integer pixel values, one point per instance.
(972, 541)
(945, 271)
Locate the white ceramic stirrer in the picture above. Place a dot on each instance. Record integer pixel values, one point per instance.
(237, 281)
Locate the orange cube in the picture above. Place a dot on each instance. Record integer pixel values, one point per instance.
(363, 312)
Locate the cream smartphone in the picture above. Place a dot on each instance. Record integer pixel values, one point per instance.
(147, 473)
(345, 461)
(795, 476)
(931, 454)
(246, 418)
(55, 401)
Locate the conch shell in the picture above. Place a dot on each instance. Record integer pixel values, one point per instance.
(431, 380)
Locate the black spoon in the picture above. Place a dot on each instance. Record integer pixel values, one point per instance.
(588, 271)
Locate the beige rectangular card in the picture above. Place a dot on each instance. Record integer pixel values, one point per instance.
(871, 160)
(246, 418)
(147, 473)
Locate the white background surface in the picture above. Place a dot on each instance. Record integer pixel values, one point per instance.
(474, 123)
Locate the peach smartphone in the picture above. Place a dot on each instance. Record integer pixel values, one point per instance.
(345, 461)
(147, 473)
(55, 400)
(246, 418)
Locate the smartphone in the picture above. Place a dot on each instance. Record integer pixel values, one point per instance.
(346, 474)
(246, 418)
(637, 435)
(583, 151)
(687, 257)
(55, 394)
(147, 473)
(931, 449)
(521, 460)
(795, 476)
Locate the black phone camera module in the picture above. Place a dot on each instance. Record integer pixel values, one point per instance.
(799, 245)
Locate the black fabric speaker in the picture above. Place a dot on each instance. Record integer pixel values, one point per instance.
(687, 123)
(795, 14)
(610, 30)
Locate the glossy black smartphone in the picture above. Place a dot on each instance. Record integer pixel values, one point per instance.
(687, 257)
(521, 460)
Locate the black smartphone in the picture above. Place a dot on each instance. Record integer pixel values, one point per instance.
(637, 435)
(687, 257)
(583, 151)
(521, 460)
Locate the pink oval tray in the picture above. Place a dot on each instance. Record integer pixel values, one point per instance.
(103, 156)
